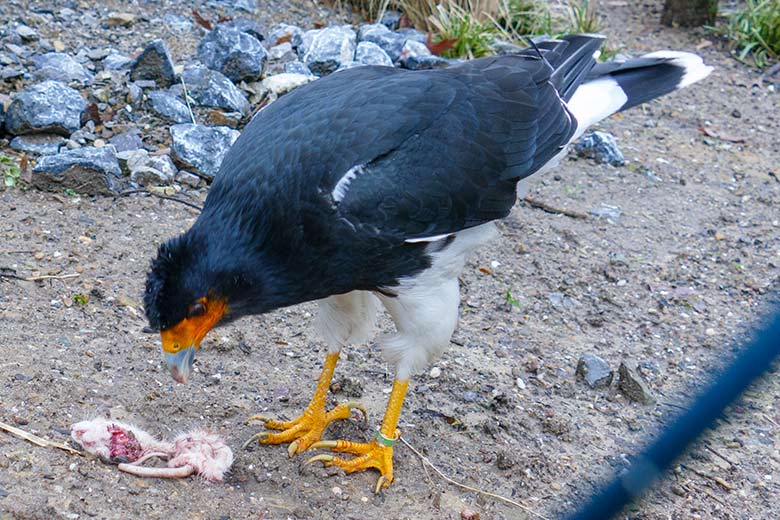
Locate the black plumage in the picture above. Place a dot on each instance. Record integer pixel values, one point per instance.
(439, 151)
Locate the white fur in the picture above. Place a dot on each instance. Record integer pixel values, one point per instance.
(695, 69)
(347, 319)
(340, 190)
(594, 101)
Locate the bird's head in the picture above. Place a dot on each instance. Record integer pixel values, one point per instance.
(185, 298)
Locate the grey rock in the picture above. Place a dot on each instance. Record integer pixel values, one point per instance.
(40, 144)
(155, 170)
(130, 140)
(154, 63)
(594, 371)
(606, 211)
(177, 23)
(600, 146)
(411, 34)
(297, 67)
(135, 94)
(130, 160)
(391, 19)
(562, 302)
(21, 52)
(390, 42)
(291, 32)
(59, 66)
(632, 384)
(250, 27)
(282, 52)
(188, 179)
(236, 54)
(330, 48)
(416, 56)
(281, 84)
(369, 53)
(7, 73)
(116, 61)
(99, 54)
(88, 170)
(349, 65)
(2, 118)
(210, 88)
(26, 33)
(201, 149)
(247, 6)
(47, 107)
(169, 106)
(303, 44)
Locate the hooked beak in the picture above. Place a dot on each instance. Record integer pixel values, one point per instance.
(180, 363)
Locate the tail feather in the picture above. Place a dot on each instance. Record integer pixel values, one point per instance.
(613, 87)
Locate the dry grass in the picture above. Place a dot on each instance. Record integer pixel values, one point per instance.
(475, 24)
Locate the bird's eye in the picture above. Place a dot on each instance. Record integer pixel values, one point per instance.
(196, 309)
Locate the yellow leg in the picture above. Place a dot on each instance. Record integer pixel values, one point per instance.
(377, 454)
(307, 429)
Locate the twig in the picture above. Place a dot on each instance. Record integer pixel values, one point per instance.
(718, 454)
(17, 252)
(187, 100)
(771, 421)
(712, 496)
(469, 488)
(714, 478)
(164, 197)
(38, 441)
(36, 278)
(552, 209)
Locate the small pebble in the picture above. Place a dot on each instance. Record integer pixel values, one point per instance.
(336, 491)
(435, 372)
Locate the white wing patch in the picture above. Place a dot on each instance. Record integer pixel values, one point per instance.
(433, 238)
(340, 191)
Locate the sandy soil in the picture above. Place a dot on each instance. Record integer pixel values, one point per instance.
(689, 265)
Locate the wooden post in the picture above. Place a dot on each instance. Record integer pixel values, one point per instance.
(689, 13)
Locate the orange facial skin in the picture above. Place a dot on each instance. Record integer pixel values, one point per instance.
(191, 331)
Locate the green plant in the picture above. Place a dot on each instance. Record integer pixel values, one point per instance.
(70, 192)
(583, 17)
(755, 31)
(80, 299)
(518, 18)
(470, 36)
(10, 170)
(511, 300)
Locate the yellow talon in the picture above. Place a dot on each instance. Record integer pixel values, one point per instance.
(258, 436)
(326, 459)
(323, 444)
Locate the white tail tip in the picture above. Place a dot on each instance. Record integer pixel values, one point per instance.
(695, 69)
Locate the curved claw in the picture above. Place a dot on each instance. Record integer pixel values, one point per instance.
(262, 418)
(259, 437)
(325, 459)
(324, 444)
(352, 405)
(382, 482)
(292, 448)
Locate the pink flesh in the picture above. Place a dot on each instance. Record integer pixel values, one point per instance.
(145, 471)
(123, 445)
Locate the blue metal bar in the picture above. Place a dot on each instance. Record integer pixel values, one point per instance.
(749, 365)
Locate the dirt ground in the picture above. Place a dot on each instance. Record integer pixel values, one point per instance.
(686, 269)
